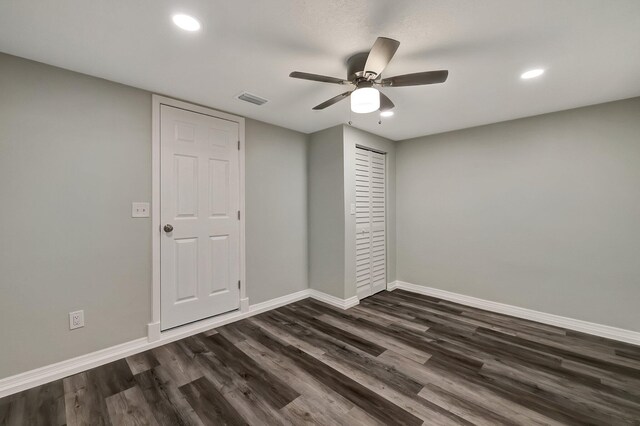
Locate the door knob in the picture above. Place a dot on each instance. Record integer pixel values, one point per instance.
(168, 228)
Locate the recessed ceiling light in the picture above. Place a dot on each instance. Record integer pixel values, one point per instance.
(386, 113)
(186, 22)
(532, 73)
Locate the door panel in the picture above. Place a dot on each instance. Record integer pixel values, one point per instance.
(186, 267)
(186, 183)
(218, 188)
(370, 223)
(200, 257)
(219, 271)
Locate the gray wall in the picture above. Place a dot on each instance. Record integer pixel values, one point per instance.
(276, 203)
(542, 213)
(352, 138)
(75, 151)
(326, 211)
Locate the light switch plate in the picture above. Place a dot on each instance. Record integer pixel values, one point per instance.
(139, 209)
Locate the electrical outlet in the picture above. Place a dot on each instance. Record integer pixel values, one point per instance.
(76, 319)
(139, 209)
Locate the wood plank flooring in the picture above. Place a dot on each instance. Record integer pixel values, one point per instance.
(398, 358)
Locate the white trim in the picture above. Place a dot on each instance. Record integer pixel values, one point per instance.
(153, 328)
(153, 331)
(333, 300)
(620, 334)
(259, 308)
(59, 370)
(48, 373)
(244, 304)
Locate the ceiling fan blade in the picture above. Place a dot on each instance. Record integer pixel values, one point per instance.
(317, 77)
(379, 56)
(333, 100)
(416, 79)
(385, 103)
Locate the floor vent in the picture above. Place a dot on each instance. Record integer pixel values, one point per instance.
(251, 98)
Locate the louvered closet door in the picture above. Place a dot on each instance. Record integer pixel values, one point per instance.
(371, 256)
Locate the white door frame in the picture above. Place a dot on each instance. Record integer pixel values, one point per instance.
(153, 329)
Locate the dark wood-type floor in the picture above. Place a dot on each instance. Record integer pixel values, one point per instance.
(397, 358)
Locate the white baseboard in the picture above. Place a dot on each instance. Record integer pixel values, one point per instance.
(620, 334)
(48, 373)
(333, 300)
(259, 308)
(59, 370)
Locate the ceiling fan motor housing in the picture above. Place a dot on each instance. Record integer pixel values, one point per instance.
(355, 66)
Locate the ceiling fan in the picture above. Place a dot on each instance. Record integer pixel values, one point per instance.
(364, 72)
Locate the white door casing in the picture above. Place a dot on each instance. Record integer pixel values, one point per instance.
(370, 222)
(200, 199)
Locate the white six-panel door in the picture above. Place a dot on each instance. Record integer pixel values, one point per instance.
(199, 199)
(371, 269)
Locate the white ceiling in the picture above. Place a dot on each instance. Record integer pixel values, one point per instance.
(590, 48)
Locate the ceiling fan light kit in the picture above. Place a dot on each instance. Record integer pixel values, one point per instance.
(364, 71)
(365, 100)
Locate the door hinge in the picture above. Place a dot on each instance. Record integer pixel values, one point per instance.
(238, 145)
(238, 284)
(238, 214)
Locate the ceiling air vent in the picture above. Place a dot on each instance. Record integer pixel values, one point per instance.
(251, 98)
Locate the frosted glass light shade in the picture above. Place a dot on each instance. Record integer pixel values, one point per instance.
(365, 100)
